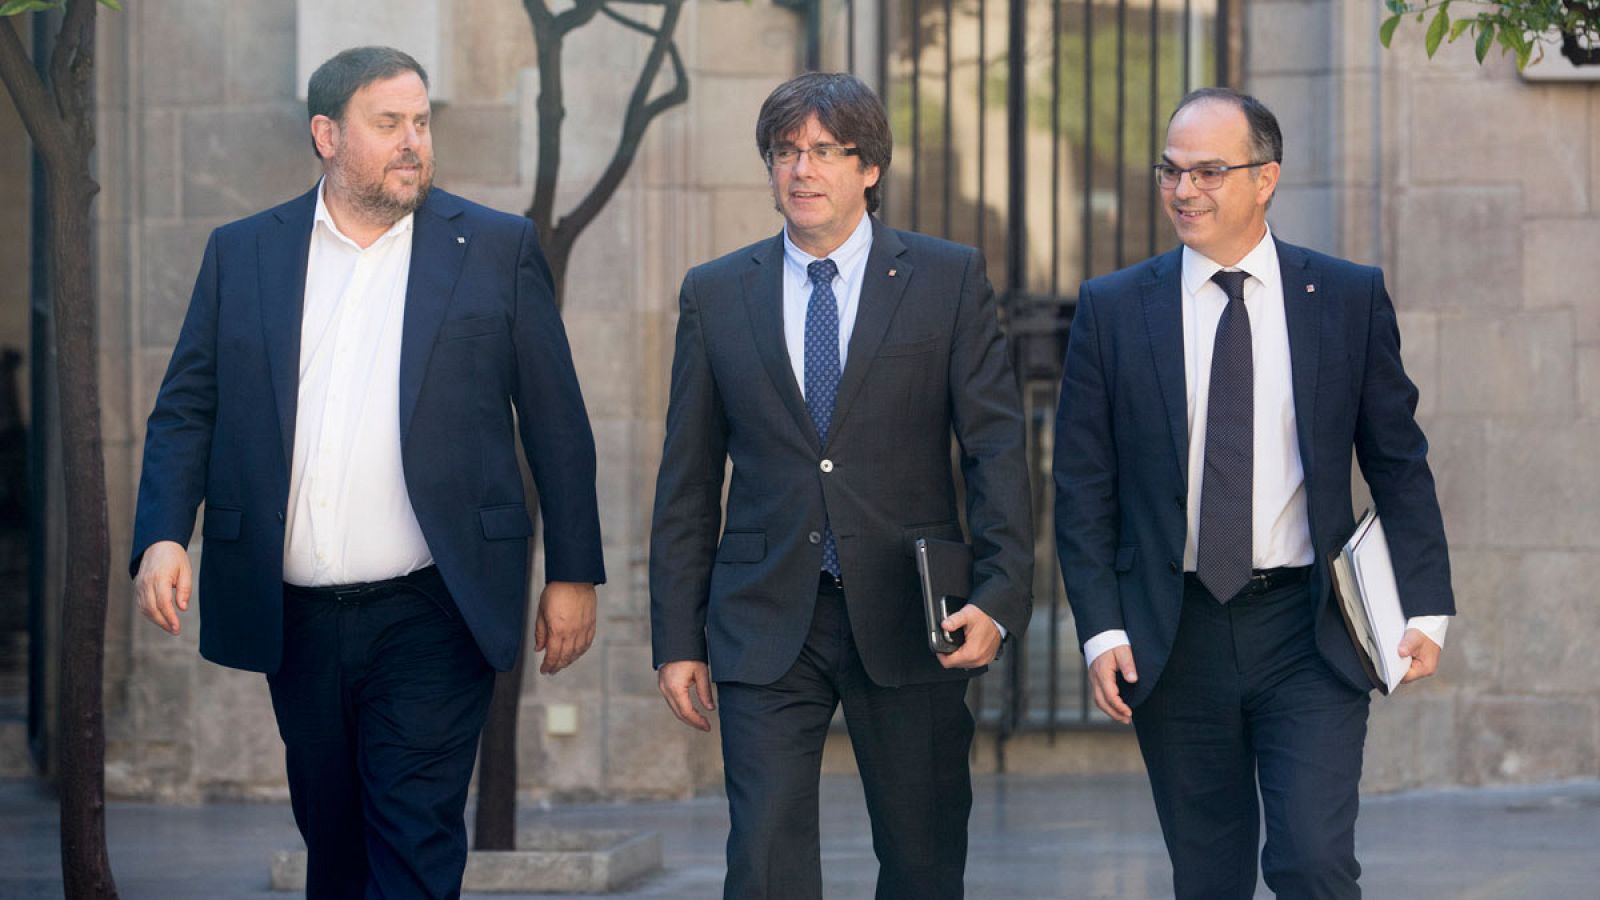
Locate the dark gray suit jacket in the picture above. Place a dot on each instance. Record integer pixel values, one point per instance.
(926, 362)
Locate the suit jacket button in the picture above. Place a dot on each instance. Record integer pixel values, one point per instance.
(1172, 566)
(814, 537)
(1180, 500)
(280, 516)
(827, 465)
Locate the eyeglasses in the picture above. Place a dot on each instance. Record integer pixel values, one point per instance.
(1204, 178)
(825, 154)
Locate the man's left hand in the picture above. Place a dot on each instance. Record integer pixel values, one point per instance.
(981, 643)
(563, 627)
(1423, 653)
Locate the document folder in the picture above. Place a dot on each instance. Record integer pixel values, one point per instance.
(946, 570)
(1369, 600)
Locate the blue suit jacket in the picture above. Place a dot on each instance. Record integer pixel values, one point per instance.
(481, 336)
(1121, 454)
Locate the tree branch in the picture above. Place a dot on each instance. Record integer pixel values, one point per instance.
(641, 112)
(626, 22)
(31, 97)
(72, 71)
(579, 15)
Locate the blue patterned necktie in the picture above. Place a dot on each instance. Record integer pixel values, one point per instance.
(1223, 551)
(822, 371)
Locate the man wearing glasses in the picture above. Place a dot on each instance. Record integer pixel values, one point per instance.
(1211, 399)
(832, 364)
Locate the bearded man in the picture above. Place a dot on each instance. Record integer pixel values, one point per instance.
(341, 398)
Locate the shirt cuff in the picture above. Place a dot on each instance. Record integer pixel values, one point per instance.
(1433, 627)
(1105, 640)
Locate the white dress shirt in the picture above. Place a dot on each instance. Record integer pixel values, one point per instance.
(1280, 529)
(350, 518)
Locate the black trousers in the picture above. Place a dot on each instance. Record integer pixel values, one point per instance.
(911, 745)
(380, 700)
(1246, 702)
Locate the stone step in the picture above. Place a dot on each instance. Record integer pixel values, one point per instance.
(549, 860)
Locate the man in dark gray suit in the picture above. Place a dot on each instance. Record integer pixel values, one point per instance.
(833, 363)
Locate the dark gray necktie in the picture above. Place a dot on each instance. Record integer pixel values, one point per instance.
(822, 371)
(1223, 554)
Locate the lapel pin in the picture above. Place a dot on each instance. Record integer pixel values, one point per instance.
(1311, 289)
(460, 239)
(891, 272)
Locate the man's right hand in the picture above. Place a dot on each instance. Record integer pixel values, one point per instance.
(680, 682)
(1103, 675)
(164, 584)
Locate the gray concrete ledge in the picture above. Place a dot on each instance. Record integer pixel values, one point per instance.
(549, 860)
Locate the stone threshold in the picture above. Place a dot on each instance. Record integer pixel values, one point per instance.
(548, 860)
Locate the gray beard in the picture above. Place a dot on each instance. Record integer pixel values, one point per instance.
(372, 202)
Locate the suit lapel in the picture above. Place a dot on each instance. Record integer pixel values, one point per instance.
(438, 247)
(1303, 311)
(880, 297)
(282, 249)
(1163, 316)
(763, 299)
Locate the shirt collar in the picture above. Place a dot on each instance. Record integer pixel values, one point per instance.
(1261, 261)
(848, 256)
(325, 218)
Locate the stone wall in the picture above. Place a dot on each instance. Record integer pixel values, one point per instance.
(1479, 194)
(200, 103)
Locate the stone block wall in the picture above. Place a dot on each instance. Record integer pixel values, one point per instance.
(1479, 195)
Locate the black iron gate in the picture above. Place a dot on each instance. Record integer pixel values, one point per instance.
(1027, 128)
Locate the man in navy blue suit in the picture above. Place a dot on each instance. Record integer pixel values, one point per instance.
(1210, 403)
(344, 398)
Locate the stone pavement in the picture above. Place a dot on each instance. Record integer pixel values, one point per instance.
(1032, 837)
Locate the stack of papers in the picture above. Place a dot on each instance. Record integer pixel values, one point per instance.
(1363, 579)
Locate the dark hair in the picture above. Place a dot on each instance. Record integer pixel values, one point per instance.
(337, 80)
(844, 105)
(1266, 139)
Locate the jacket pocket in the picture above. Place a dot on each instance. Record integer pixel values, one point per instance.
(909, 348)
(465, 328)
(221, 523)
(502, 523)
(742, 547)
(1125, 557)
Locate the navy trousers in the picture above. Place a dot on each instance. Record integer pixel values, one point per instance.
(1247, 702)
(380, 700)
(911, 744)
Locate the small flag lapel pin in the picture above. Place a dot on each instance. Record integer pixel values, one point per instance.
(460, 239)
(1311, 289)
(892, 271)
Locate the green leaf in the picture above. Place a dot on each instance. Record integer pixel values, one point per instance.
(1396, 6)
(1436, 31)
(1485, 41)
(1386, 30)
(112, 4)
(1458, 27)
(18, 7)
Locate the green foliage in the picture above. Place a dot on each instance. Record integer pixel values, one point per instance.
(1522, 28)
(18, 7)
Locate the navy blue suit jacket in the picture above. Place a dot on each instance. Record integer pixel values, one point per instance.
(1121, 454)
(481, 338)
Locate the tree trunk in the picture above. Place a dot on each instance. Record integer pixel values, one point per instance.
(85, 863)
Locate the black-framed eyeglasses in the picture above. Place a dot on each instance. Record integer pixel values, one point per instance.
(821, 153)
(1204, 178)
